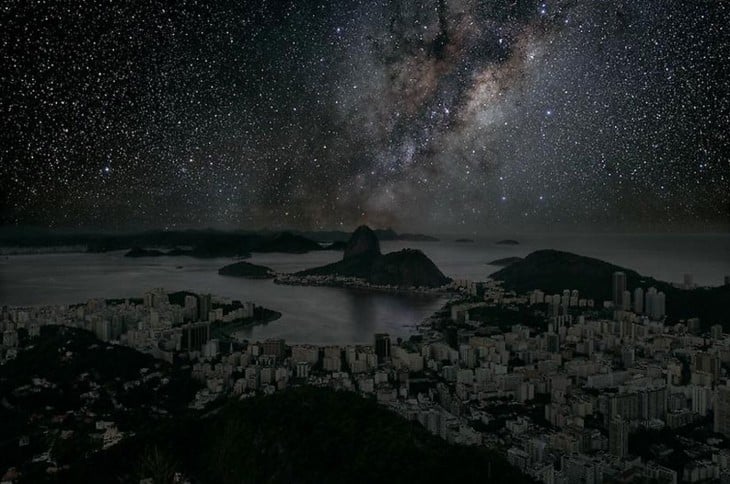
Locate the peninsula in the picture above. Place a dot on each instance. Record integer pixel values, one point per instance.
(363, 261)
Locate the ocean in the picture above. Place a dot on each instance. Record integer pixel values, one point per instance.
(324, 315)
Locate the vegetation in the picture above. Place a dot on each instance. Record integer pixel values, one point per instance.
(300, 435)
(64, 380)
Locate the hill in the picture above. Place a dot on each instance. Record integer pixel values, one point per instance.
(300, 435)
(553, 271)
(245, 269)
(64, 380)
(362, 259)
(363, 242)
(407, 267)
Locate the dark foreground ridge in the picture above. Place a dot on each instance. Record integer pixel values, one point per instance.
(64, 381)
(362, 259)
(300, 435)
(553, 271)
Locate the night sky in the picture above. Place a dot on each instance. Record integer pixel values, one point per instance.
(421, 115)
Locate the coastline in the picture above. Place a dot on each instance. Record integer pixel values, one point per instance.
(360, 285)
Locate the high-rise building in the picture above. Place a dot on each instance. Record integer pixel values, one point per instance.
(626, 301)
(204, 306)
(653, 402)
(275, 347)
(707, 363)
(655, 304)
(619, 286)
(618, 437)
(716, 331)
(638, 300)
(628, 356)
(649, 300)
(689, 282)
(191, 307)
(382, 346)
(302, 369)
(552, 341)
(195, 335)
(658, 305)
(722, 410)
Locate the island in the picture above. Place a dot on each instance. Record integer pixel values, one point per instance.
(200, 252)
(464, 240)
(140, 252)
(507, 242)
(363, 261)
(504, 261)
(248, 270)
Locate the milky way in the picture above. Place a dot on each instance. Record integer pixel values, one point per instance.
(421, 115)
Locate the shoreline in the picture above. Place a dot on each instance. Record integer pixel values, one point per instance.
(359, 285)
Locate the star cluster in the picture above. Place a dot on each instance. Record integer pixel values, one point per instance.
(424, 115)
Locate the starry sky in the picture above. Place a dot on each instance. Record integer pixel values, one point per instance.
(438, 115)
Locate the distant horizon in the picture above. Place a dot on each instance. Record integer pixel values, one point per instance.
(29, 230)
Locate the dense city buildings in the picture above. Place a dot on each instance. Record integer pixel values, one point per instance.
(569, 387)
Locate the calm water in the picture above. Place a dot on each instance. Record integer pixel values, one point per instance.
(328, 315)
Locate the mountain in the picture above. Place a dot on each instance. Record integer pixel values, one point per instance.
(363, 242)
(302, 435)
(362, 259)
(245, 269)
(407, 267)
(553, 271)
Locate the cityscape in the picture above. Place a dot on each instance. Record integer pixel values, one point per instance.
(327, 241)
(560, 383)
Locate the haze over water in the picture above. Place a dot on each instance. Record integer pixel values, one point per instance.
(332, 315)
